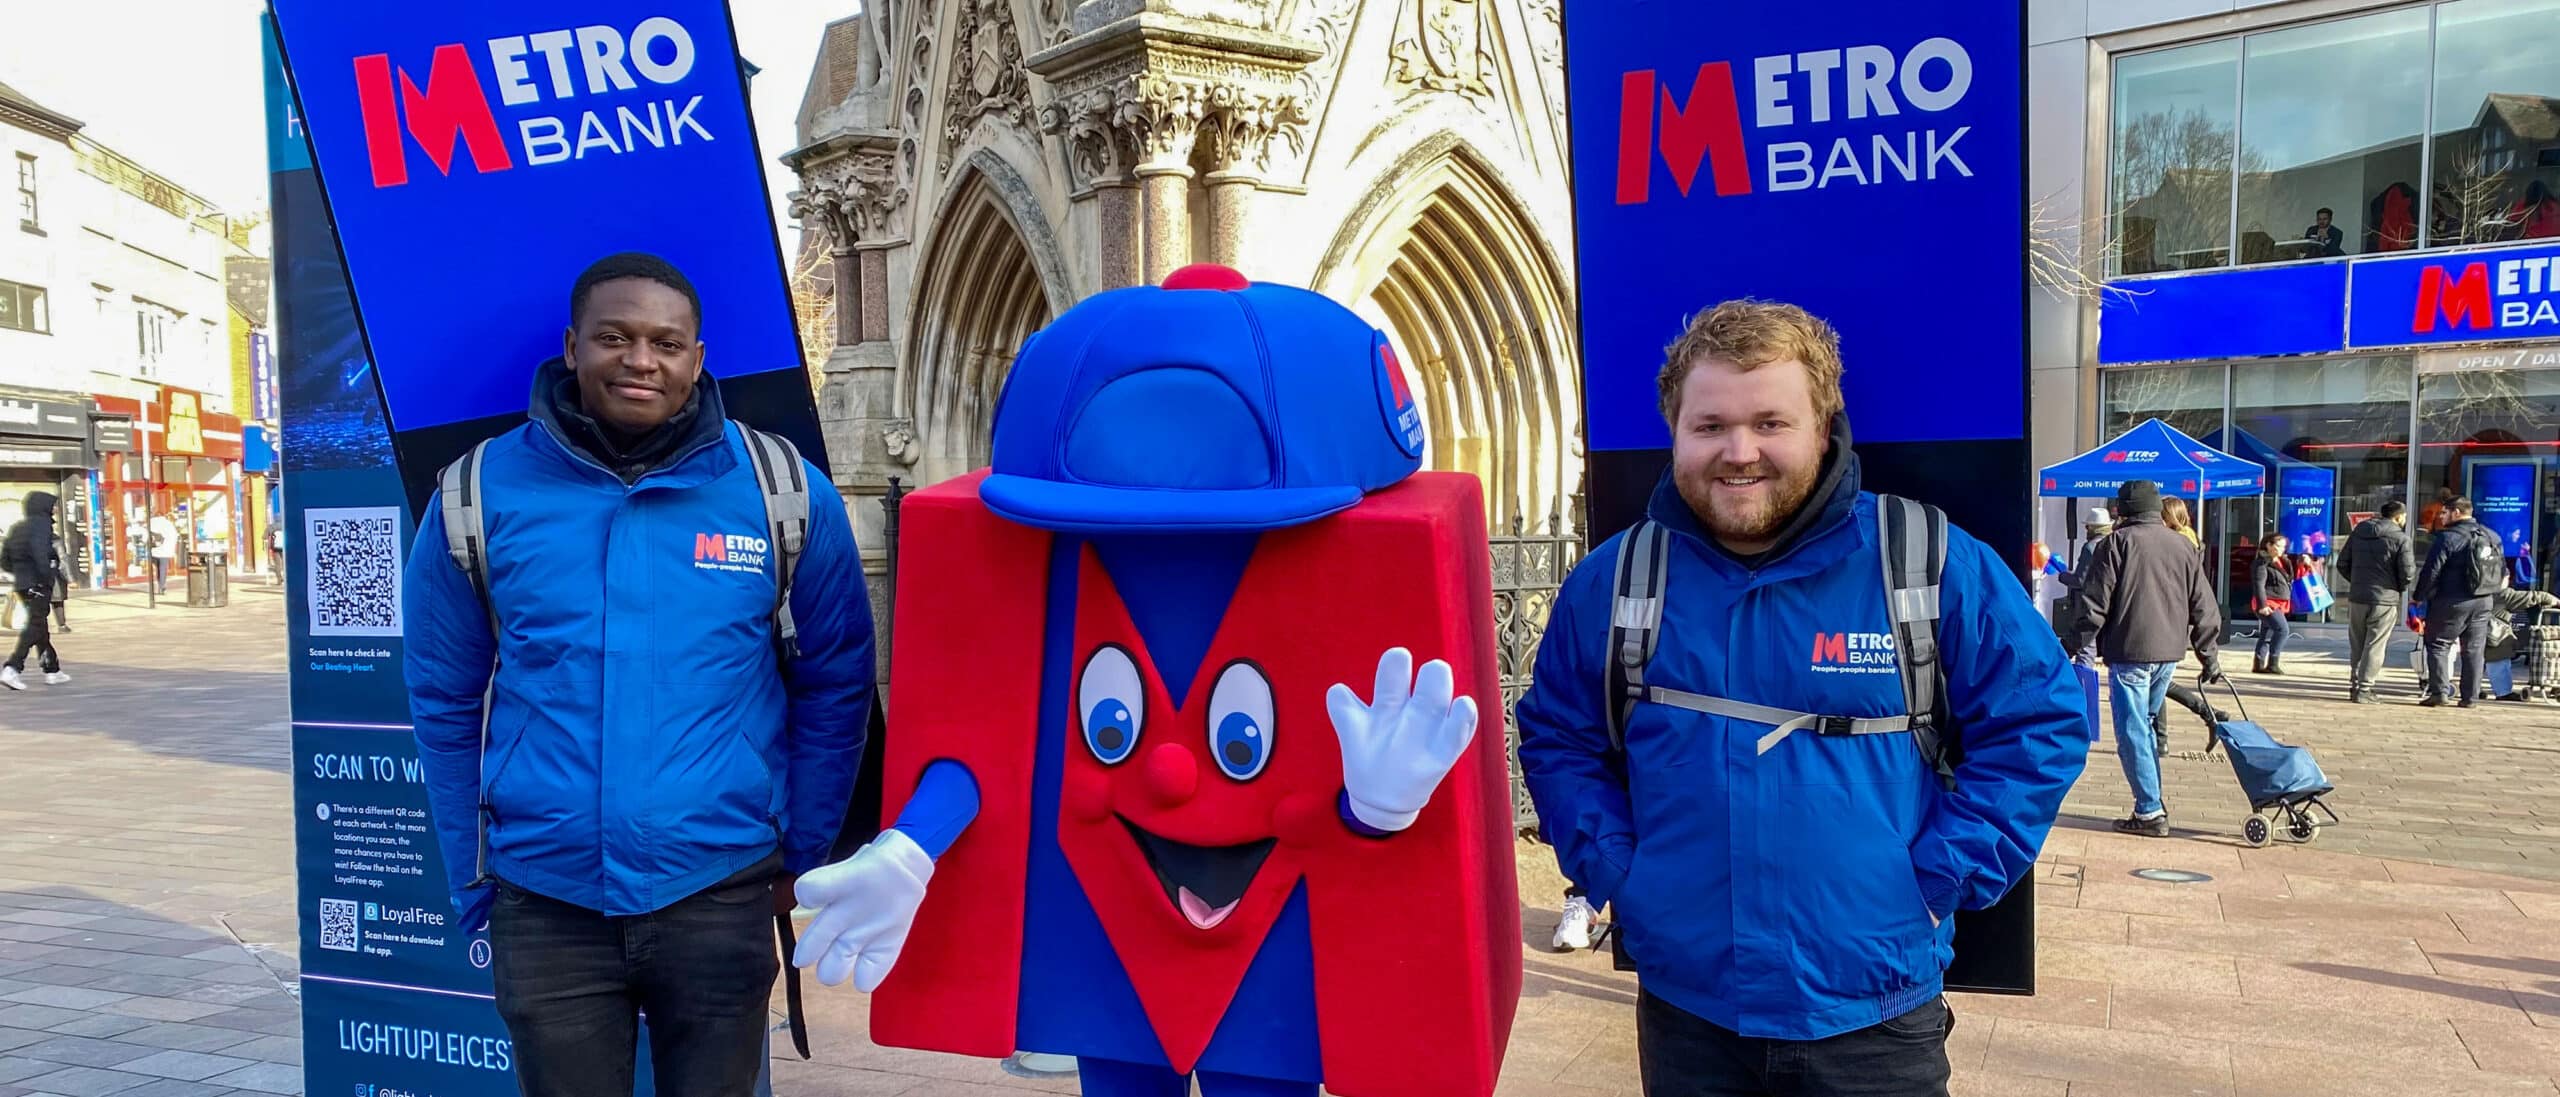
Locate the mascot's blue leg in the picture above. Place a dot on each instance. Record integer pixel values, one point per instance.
(1213, 1084)
(1114, 1078)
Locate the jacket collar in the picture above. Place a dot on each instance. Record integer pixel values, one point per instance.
(557, 414)
(1832, 504)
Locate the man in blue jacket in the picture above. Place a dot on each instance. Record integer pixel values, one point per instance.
(1786, 892)
(655, 767)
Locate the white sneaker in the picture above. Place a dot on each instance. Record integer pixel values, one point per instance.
(56, 678)
(9, 677)
(1573, 931)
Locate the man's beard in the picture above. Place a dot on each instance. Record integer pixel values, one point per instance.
(1750, 523)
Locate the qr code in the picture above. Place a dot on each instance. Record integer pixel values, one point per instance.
(352, 558)
(338, 926)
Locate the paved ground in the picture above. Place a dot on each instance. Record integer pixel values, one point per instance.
(146, 918)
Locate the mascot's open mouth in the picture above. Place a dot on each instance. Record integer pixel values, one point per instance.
(1205, 883)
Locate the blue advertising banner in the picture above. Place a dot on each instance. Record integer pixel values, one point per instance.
(2471, 297)
(1861, 159)
(536, 136)
(262, 378)
(2306, 496)
(2504, 495)
(395, 995)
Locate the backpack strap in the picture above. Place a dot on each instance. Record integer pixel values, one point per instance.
(1912, 539)
(779, 472)
(466, 542)
(1635, 621)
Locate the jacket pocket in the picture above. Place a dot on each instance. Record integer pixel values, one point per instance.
(1837, 873)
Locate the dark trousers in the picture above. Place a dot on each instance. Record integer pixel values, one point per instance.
(1683, 1055)
(571, 984)
(2273, 630)
(36, 635)
(160, 574)
(2463, 621)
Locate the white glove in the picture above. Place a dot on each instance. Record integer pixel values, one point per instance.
(1396, 748)
(866, 904)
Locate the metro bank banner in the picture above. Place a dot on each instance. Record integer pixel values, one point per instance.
(1861, 159)
(478, 154)
(2487, 295)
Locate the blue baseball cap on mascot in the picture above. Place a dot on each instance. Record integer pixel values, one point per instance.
(1210, 403)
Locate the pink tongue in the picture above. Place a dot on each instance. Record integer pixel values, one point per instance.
(1197, 909)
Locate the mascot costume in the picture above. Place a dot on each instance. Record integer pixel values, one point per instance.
(1142, 815)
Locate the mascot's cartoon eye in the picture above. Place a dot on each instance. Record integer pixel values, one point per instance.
(1240, 721)
(1109, 700)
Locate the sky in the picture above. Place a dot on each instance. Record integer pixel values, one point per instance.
(177, 84)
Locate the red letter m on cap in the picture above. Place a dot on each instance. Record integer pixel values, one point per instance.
(453, 107)
(2458, 302)
(1708, 128)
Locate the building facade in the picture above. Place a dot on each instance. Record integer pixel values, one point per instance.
(113, 313)
(971, 168)
(2321, 234)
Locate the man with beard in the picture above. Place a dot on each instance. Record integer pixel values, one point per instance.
(1784, 851)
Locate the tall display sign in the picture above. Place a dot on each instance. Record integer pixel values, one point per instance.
(441, 174)
(2305, 495)
(1862, 159)
(2503, 499)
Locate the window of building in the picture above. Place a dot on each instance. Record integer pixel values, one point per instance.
(2176, 112)
(2493, 436)
(2348, 136)
(151, 324)
(22, 308)
(2330, 115)
(2334, 435)
(2497, 122)
(27, 192)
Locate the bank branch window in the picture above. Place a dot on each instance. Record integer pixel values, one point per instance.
(2419, 127)
(2492, 434)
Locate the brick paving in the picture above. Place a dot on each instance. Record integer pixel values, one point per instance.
(147, 928)
(146, 890)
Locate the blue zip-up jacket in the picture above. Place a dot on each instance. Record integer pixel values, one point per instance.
(645, 738)
(1803, 892)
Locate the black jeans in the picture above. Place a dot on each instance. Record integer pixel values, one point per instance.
(571, 984)
(2458, 623)
(1684, 1055)
(36, 635)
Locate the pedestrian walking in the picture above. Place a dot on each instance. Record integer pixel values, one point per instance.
(2145, 603)
(34, 564)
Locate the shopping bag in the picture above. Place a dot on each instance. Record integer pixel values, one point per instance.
(2311, 594)
(2502, 677)
(2088, 698)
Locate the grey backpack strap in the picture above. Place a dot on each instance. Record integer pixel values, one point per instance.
(1912, 539)
(1635, 621)
(786, 512)
(466, 542)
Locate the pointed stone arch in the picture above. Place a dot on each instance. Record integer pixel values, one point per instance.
(990, 277)
(1441, 255)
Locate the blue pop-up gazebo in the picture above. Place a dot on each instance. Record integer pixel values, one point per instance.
(2158, 452)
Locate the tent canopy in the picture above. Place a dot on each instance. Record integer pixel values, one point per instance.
(2158, 452)
(2250, 447)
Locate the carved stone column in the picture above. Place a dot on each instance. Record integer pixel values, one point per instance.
(1105, 157)
(1237, 139)
(850, 190)
(1152, 86)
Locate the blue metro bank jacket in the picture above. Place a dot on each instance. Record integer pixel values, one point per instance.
(1805, 891)
(645, 739)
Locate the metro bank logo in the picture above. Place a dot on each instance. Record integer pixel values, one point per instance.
(2120, 456)
(730, 552)
(2487, 296)
(1704, 127)
(453, 107)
